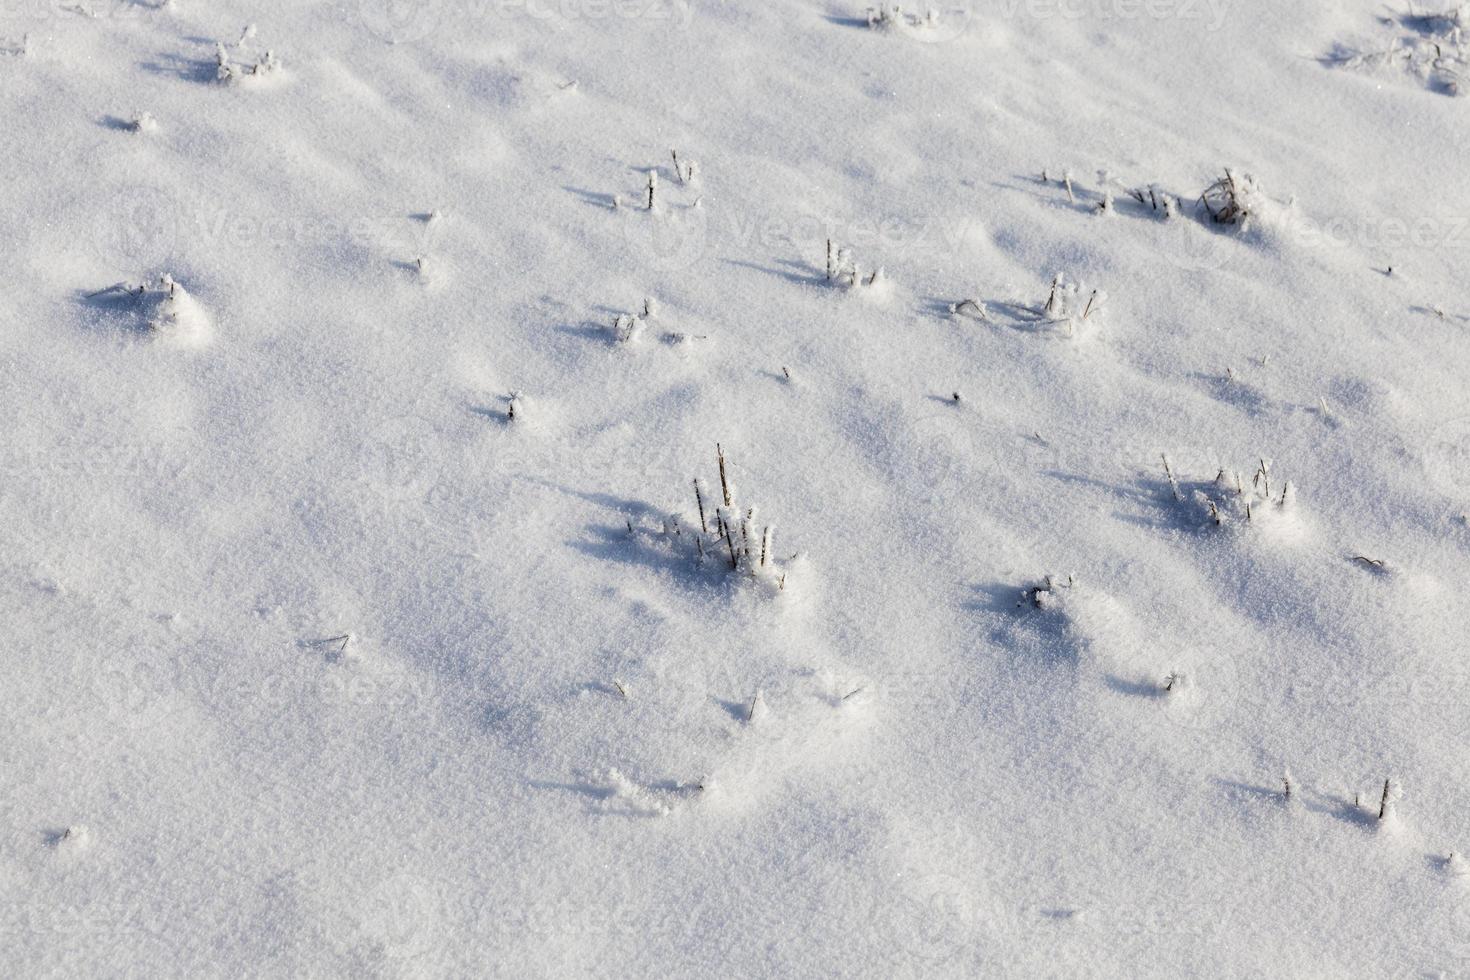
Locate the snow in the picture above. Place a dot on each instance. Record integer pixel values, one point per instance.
(322, 660)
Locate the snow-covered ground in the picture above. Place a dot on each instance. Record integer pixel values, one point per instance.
(358, 619)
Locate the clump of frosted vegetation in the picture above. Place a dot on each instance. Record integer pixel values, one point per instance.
(843, 271)
(1261, 502)
(165, 310)
(892, 17)
(1070, 307)
(628, 328)
(1234, 199)
(1047, 594)
(1431, 46)
(727, 535)
(1071, 304)
(230, 71)
(173, 315)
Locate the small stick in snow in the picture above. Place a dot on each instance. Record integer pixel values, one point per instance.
(1173, 483)
(621, 690)
(724, 483)
(1286, 781)
(343, 640)
(1067, 179)
(969, 308)
(652, 187)
(765, 545)
(786, 372)
(1383, 803)
(699, 499)
(830, 270)
(1051, 301)
(729, 541)
(1375, 562)
(1088, 312)
(750, 715)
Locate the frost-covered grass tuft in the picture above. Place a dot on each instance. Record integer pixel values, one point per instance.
(1070, 306)
(1233, 199)
(892, 17)
(1046, 593)
(1431, 46)
(233, 72)
(1230, 501)
(843, 271)
(72, 840)
(163, 309)
(726, 534)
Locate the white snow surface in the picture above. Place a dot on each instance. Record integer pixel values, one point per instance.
(318, 664)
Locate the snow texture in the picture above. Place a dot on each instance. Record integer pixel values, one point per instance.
(360, 617)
